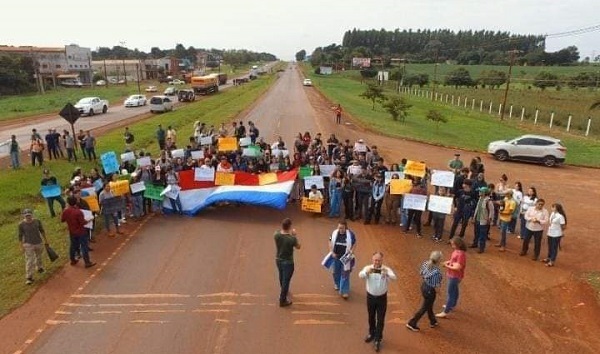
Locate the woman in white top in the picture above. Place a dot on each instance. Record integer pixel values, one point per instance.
(527, 202)
(536, 218)
(518, 197)
(557, 223)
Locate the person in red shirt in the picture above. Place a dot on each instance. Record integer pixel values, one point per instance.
(75, 220)
(455, 273)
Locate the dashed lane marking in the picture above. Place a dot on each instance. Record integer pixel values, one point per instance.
(318, 322)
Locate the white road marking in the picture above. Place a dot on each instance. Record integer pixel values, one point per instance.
(317, 313)
(211, 311)
(157, 311)
(129, 296)
(148, 322)
(318, 322)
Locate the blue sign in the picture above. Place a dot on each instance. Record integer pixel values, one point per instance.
(109, 162)
(50, 191)
(98, 185)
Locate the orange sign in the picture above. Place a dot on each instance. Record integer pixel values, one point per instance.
(228, 144)
(267, 178)
(224, 178)
(93, 203)
(119, 188)
(400, 186)
(312, 206)
(414, 168)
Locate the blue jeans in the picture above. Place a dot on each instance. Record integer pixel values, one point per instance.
(176, 205)
(138, 205)
(482, 234)
(522, 223)
(50, 202)
(553, 243)
(91, 153)
(336, 202)
(14, 160)
(111, 217)
(286, 270)
(452, 298)
(341, 277)
(80, 243)
(404, 216)
(504, 225)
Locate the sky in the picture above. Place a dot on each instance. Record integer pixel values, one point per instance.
(282, 27)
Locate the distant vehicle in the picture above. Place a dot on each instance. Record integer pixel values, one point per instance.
(121, 82)
(170, 91)
(307, 82)
(160, 104)
(221, 78)
(533, 148)
(135, 101)
(71, 83)
(91, 105)
(151, 89)
(177, 82)
(112, 80)
(100, 83)
(205, 85)
(186, 95)
(165, 79)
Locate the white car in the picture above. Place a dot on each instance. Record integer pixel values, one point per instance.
(307, 82)
(533, 148)
(91, 105)
(161, 104)
(177, 82)
(135, 101)
(151, 89)
(100, 83)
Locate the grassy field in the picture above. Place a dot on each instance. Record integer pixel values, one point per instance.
(21, 188)
(593, 278)
(15, 107)
(465, 128)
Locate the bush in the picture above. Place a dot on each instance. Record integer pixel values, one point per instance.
(318, 70)
(368, 73)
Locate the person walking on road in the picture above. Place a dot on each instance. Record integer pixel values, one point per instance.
(285, 242)
(32, 238)
(78, 235)
(341, 246)
(455, 273)
(432, 279)
(377, 277)
(338, 113)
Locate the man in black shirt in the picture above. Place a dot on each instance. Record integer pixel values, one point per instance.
(285, 241)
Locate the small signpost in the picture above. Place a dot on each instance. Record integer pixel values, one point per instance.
(70, 114)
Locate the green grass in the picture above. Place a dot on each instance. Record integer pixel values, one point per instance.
(593, 278)
(21, 188)
(465, 128)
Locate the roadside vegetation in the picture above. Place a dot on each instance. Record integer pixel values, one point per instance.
(21, 188)
(464, 128)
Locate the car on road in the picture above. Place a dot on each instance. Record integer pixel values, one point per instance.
(186, 95)
(532, 148)
(135, 101)
(160, 104)
(91, 105)
(307, 82)
(151, 89)
(177, 82)
(170, 91)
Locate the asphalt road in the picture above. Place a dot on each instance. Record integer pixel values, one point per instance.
(208, 284)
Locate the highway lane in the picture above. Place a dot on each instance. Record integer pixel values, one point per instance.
(208, 284)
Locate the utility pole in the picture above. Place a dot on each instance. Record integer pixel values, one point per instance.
(105, 75)
(512, 60)
(137, 74)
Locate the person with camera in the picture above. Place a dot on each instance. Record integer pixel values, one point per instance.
(285, 242)
(377, 277)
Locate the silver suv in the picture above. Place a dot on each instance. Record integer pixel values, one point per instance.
(533, 148)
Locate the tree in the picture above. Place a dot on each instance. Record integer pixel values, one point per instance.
(545, 79)
(397, 107)
(436, 117)
(156, 53)
(374, 93)
(301, 55)
(459, 77)
(416, 79)
(492, 78)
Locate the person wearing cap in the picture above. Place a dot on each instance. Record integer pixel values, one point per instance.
(484, 213)
(377, 194)
(455, 165)
(32, 239)
(78, 235)
(49, 180)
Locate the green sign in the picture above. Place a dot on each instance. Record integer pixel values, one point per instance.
(153, 192)
(305, 172)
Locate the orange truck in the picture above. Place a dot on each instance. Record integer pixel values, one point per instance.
(204, 85)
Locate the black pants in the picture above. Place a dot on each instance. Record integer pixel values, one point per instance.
(71, 154)
(286, 270)
(416, 216)
(438, 226)
(374, 208)
(376, 306)
(82, 146)
(362, 205)
(461, 219)
(348, 205)
(428, 293)
(537, 242)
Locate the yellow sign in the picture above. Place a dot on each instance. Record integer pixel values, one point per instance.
(400, 186)
(267, 178)
(93, 203)
(119, 188)
(313, 206)
(224, 178)
(414, 168)
(228, 144)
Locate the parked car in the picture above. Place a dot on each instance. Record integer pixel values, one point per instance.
(170, 91)
(307, 82)
(100, 83)
(160, 104)
(177, 82)
(533, 148)
(135, 101)
(71, 83)
(91, 106)
(151, 89)
(186, 95)
(165, 79)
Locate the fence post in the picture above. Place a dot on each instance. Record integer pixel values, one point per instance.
(466, 102)
(569, 122)
(537, 112)
(551, 119)
(587, 130)
(473, 105)
(490, 112)
(458, 101)
(481, 106)
(522, 113)
(452, 103)
(446, 98)
(500, 109)
(510, 112)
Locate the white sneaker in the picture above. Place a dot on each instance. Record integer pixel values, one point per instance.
(122, 221)
(441, 315)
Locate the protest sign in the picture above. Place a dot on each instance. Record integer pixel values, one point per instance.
(278, 152)
(177, 153)
(144, 161)
(317, 180)
(327, 170)
(98, 185)
(109, 162)
(89, 217)
(153, 192)
(414, 201)
(245, 141)
(414, 168)
(137, 187)
(197, 154)
(442, 178)
(171, 192)
(51, 191)
(313, 206)
(112, 205)
(252, 151)
(119, 187)
(206, 174)
(91, 191)
(360, 147)
(440, 204)
(93, 203)
(207, 140)
(305, 171)
(389, 174)
(400, 186)
(227, 144)
(267, 178)
(274, 167)
(224, 178)
(128, 156)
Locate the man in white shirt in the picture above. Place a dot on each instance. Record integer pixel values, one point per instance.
(377, 278)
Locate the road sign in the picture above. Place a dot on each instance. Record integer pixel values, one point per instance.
(69, 113)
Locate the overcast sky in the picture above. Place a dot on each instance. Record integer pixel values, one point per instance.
(281, 27)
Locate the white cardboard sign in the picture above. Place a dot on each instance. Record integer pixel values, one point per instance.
(414, 201)
(440, 204)
(204, 174)
(310, 180)
(442, 178)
